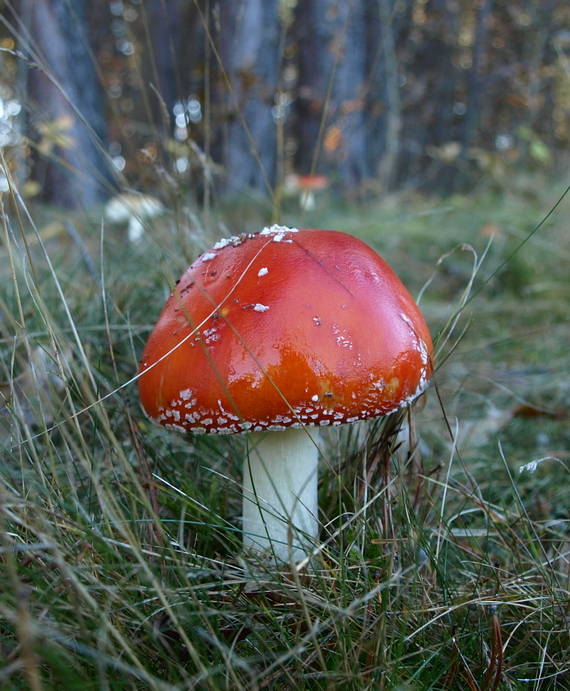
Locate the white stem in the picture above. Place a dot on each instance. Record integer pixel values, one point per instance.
(135, 230)
(280, 493)
(307, 201)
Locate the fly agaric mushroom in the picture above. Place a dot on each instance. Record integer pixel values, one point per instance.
(274, 334)
(306, 186)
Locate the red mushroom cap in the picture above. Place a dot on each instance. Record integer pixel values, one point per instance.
(312, 182)
(284, 328)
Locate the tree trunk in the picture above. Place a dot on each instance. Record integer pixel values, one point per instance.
(331, 123)
(475, 81)
(164, 26)
(246, 72)
(431, 90)
(537, 48)
(383, 111)
(65, 103)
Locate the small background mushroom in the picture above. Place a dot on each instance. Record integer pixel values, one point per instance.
(133, 209)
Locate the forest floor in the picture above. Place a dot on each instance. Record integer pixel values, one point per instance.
(119, 541)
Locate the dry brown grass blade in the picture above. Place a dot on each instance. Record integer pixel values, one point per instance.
(494, 671)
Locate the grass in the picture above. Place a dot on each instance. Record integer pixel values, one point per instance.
(444, 567)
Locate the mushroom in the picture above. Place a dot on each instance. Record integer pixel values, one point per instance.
(277, 334)
(134, 209)
(306, 186)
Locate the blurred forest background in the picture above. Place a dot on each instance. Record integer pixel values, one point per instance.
(435, 130)
(209, 99)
